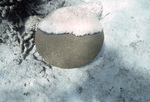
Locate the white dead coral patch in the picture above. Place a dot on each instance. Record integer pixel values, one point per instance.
(78, 20)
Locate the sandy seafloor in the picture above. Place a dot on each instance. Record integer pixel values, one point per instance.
(120, 73)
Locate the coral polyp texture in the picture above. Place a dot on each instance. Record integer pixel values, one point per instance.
(79, 20)
(9, 6)
(28, 7)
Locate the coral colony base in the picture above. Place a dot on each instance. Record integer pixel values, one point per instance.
(67, 50)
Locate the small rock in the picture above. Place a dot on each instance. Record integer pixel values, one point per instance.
(68, 50)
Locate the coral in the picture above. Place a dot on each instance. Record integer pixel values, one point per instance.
(16, 6)
(13, 14)
(24, 8)
(79, 20)
(8, 34)
(18, 22)
(16, 10)
(8, 6)
(24, 39)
